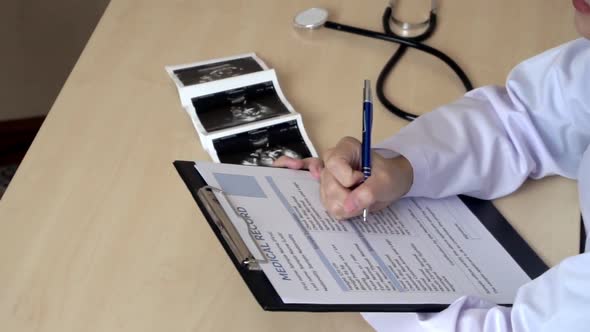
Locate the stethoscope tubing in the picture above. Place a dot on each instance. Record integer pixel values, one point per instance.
(407, 42)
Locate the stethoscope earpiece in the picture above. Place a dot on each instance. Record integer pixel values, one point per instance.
(410, 29)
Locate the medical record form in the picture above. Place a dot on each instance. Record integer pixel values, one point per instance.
(417, 250)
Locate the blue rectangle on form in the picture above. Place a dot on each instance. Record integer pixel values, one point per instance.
(239, 185)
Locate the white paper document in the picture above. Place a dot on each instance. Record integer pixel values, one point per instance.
(416, 251)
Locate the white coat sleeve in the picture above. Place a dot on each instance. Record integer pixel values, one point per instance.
(488, 142)
(485, 145)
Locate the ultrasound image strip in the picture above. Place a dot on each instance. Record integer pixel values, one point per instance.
(240, 106)
(218, 70)
(261, 147)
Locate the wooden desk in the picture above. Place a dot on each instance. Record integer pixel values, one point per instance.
(97, 231)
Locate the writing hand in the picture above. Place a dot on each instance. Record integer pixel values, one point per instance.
(342, 190)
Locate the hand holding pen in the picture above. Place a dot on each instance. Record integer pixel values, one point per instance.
(345, 190)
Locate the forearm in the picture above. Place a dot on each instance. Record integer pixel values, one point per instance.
(462, 148)
(488, 142)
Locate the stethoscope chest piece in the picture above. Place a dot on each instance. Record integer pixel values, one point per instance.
(311, 18)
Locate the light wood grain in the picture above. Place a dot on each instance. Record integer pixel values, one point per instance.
(97, 231)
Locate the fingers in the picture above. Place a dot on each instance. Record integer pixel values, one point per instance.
(341, 173)
(343, 162)
(341, 202)
(333, 195)
(391, 179)
(365, 196)
(288, 162)
(314, 165)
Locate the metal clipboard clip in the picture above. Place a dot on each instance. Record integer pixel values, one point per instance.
(228, 230)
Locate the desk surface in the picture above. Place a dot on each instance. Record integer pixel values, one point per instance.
(98, 232)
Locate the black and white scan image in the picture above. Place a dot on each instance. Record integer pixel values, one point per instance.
(235, 107)
(263, 146)
(216, 71)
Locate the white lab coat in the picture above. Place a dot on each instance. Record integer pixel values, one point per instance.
(485, 145)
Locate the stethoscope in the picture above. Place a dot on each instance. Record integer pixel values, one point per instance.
(410, 35)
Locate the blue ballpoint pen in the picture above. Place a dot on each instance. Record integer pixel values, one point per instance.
(366, 144)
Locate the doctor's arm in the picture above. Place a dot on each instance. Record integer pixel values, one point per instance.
(485, 145)
(494, 138)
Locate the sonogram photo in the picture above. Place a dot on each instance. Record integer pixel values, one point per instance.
(216, 71)
(266, 156)
(262, 147)
(238, 106)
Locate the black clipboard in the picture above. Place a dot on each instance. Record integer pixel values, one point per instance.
(270, 300)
